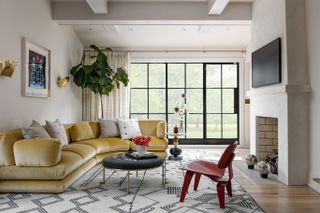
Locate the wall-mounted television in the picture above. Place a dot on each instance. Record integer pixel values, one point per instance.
(266, 65)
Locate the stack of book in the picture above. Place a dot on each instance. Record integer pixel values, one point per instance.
(137, 156)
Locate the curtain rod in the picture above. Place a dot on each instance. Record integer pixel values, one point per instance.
(172, 51)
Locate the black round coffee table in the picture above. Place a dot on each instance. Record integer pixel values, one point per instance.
(122, 162)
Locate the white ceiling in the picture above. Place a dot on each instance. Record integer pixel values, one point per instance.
(231, 36)
(156, 0)
(166, 36)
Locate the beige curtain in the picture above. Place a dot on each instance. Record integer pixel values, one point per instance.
(116, 104)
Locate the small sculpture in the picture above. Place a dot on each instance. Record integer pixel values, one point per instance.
(251, 160)
(263, 168)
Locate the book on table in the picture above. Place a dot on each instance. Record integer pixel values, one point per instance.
(136, 155)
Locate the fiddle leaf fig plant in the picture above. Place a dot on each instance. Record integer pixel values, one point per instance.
(99, 77)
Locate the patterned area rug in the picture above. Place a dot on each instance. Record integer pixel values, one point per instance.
(88, 194)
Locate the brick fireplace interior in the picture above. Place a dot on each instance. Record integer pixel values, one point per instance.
(267, 137)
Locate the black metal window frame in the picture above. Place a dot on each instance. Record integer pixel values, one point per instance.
(204, 140)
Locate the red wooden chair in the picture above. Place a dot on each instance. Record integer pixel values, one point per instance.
(213, 171)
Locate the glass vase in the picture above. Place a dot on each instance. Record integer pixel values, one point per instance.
(142, 149)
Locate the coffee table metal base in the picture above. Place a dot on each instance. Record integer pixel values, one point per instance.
(163, 175)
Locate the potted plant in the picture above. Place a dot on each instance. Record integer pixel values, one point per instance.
(99, 77)
(141, 143)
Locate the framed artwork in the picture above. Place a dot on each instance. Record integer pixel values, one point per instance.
(36, 70)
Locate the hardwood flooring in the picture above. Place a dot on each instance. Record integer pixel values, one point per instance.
(274, 198)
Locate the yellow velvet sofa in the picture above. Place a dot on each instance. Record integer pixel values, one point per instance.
(44, 166)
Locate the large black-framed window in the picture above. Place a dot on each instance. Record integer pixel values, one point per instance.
(212, 98)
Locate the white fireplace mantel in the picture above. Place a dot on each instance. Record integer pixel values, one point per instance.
(279, 89)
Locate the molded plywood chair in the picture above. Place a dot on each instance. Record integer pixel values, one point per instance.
(213, 171)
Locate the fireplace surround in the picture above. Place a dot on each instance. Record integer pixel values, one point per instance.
(288, 104)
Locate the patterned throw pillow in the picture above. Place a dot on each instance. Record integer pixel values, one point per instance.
(56, 130)
(35, 130)
(109, 128)
(129, 128)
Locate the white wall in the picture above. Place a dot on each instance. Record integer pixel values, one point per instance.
(313, 35)
(32, 19)
(287, 101)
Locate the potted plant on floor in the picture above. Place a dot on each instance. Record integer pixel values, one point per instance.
(99, 77)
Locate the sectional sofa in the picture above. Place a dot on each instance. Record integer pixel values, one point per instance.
(44, 166)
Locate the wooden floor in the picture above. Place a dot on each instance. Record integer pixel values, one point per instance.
(282, 198)
(274, 198)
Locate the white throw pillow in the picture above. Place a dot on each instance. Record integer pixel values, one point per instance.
(35, 130)
(57, 130)
(109, 128)
(129, 128)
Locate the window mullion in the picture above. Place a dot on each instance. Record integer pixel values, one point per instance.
(167, 102)
(148, 91)
(204, 83)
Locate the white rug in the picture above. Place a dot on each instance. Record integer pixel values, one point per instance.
(148, 195)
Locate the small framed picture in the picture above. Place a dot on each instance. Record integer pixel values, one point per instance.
(36, 70)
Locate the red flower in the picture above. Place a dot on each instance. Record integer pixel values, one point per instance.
(141, 140)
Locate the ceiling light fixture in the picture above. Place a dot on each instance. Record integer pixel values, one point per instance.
(112, 29)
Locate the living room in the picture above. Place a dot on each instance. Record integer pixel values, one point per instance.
(183, 77)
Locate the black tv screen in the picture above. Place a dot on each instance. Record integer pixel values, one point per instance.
(266, 65)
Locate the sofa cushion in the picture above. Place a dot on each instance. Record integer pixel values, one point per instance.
(156, 144)
(81, 131)
(7, 141)
(95, 126)
(161, 129)
(109, 128)
(107, 144)
(57, 130)
(69, 162)
(35, 130)
(37, 152)
(85, 151)
(129, 128)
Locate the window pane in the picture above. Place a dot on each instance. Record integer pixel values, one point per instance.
(157, 100)
(213, 126)
(175, 75)
(139, 116)
(157, 116)
(213, 100)
(139, 101)
(157, 75)
(194, 75)
(228, 102)
(195, 126)
(230, 129)
(213, 76)
(229, 75)
(195, 100)
(174, 96)
(138, 75)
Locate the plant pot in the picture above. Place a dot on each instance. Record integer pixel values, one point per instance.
(264, 175)
(142, 149)
(250, 166)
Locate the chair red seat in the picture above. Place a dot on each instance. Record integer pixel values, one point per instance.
(213, 171)
(205, 168)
